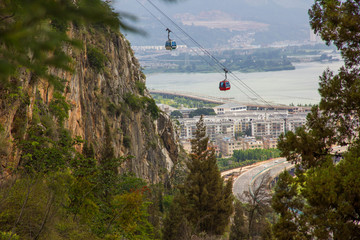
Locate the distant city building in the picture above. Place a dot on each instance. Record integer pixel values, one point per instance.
(186, 111)
(252, 143)
(270, 143)
(267, 128)
(228, 145)
(229, 108)
(186, 145)
(269, 124)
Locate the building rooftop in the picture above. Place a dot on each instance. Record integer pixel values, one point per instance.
(230, 105)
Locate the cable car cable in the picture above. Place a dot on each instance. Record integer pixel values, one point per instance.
(209, 55)
(172, 32)
(219, 64)
(211, 65)
(176, 34)
(207, 52)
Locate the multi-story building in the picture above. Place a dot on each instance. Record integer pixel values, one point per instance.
(228, 145)
(267, 128)
(251, 143)
(229, 108)
(270, 143)
(295, 122)
(268, 124)
(214, 126)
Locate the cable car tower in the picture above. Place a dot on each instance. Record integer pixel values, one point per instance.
(170, 44)
(224, 85)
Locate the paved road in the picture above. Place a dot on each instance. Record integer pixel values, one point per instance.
(253, 176)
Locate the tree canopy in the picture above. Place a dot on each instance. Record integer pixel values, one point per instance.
(33, 33)
(326, 195)
(204, 200)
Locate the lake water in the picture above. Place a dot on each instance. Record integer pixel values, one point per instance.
(283, 87)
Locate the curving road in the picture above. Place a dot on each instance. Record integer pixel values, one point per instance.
(253, 176)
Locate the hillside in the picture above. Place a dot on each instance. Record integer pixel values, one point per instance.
(104, 95)
(85, 153)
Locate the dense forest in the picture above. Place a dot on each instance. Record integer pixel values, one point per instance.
(64, 187)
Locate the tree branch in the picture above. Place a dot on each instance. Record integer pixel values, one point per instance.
(47, 211)
(6, 17)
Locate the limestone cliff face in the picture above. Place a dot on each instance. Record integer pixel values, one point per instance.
(106, 91)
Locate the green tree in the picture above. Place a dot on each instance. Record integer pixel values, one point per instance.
(176, 225)
(257, 206)
(33, 32)
(129, 217)
(207, 201)
(202, 111)
(289, 205)
(238, 230)
(329, 208)
(176, 114)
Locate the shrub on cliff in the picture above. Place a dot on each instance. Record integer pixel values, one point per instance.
(96, 59)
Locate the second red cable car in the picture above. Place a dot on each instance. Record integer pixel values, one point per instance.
(225, 84)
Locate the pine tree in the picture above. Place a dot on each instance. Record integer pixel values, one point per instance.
(238, 230)
(176, 225)
(207, 201)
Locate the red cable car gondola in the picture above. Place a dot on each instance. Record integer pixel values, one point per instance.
(225, 84)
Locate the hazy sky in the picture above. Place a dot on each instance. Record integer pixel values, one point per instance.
(285, 18)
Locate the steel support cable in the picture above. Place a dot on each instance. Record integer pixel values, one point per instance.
(199, 46)
(185, 33)
(222, 66)
(173, 32)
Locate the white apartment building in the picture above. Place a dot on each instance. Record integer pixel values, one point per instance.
(214, 126)
(267, 128)
(262, 124)
(253, 144)
(227, 145)
(295, 122)
(229, 108)
(270, 143)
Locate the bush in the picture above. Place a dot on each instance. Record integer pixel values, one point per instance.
(59, 107)
(114, 110)
(127, 141)
(152, 108)
(133, 101)
(96, 59)
(141, 87)
(176, 114)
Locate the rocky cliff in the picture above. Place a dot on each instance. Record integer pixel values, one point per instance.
(106, 99)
